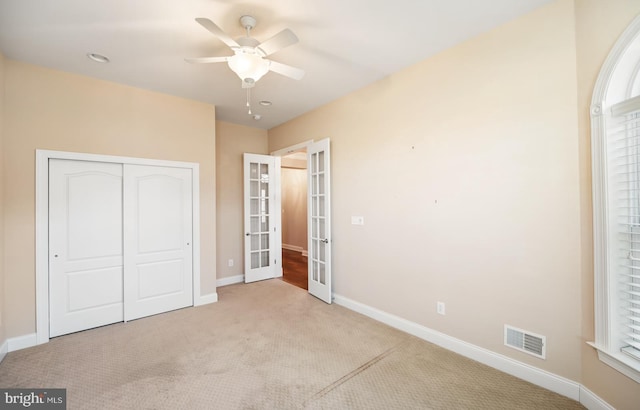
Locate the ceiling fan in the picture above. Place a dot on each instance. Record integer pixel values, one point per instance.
(249, 61)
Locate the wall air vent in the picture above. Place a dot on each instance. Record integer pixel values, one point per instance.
(525, 341)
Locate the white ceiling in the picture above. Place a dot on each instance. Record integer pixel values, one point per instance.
(344, 44)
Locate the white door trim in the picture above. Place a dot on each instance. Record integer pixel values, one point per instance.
(293, 148)
(42, 225)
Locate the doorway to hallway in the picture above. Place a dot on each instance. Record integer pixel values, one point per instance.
(294, 218)
(295, 268)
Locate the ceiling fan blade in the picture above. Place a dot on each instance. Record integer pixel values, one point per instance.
(217, 31)
(281, 40)
(200, 60)
(286, 70)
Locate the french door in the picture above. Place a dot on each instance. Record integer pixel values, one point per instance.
(319, 219)
(262, 240)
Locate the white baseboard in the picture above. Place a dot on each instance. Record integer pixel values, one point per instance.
(292, 247)
(589, 400)
(231, 280)
(539, 377)
(22, 342)
(4, 349)
(303, 251)
(206, 299)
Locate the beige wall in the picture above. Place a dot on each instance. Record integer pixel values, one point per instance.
(465, 168)
(231, 142)
(598, 26)
(47, 109)
(2, 153)
(294, 206)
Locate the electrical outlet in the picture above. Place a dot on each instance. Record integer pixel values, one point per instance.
(440, 308)
(230, 263)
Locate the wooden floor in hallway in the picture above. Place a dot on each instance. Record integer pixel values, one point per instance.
(294, 268)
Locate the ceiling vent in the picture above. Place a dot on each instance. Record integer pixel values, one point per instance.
(525, 341)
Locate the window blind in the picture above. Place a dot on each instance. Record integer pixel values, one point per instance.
(623, 157)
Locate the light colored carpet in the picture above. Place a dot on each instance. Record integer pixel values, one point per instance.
(266, 345)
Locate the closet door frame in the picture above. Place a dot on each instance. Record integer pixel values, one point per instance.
(42, 226)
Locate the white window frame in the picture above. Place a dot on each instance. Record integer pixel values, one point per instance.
(618, 81)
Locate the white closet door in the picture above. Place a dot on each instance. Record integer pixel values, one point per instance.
(85, 245)
(158, 240)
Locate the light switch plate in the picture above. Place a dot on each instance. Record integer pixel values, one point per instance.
(357, 220)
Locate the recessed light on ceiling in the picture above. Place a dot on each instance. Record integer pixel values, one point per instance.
(265, 103)
(98, 58)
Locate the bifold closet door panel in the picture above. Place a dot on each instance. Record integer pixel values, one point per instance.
(85, 245)
(158, 255)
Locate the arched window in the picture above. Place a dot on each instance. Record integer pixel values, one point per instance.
(615, 143)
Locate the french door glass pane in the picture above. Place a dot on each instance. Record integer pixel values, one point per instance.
(315, 271)
(264, 258)
(264, 224)
(322, 273)
(255, 260)
(255, 208)
(255, 242)
(255, 224)
(321, 206)
(321, 222)
(264, 241)
(253, 173)
(255, 189)
(321, 184)
(321, 161)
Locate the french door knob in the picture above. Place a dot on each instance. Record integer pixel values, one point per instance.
(325, 240)
(247, 234)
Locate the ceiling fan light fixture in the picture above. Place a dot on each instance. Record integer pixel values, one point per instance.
(248, 65)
